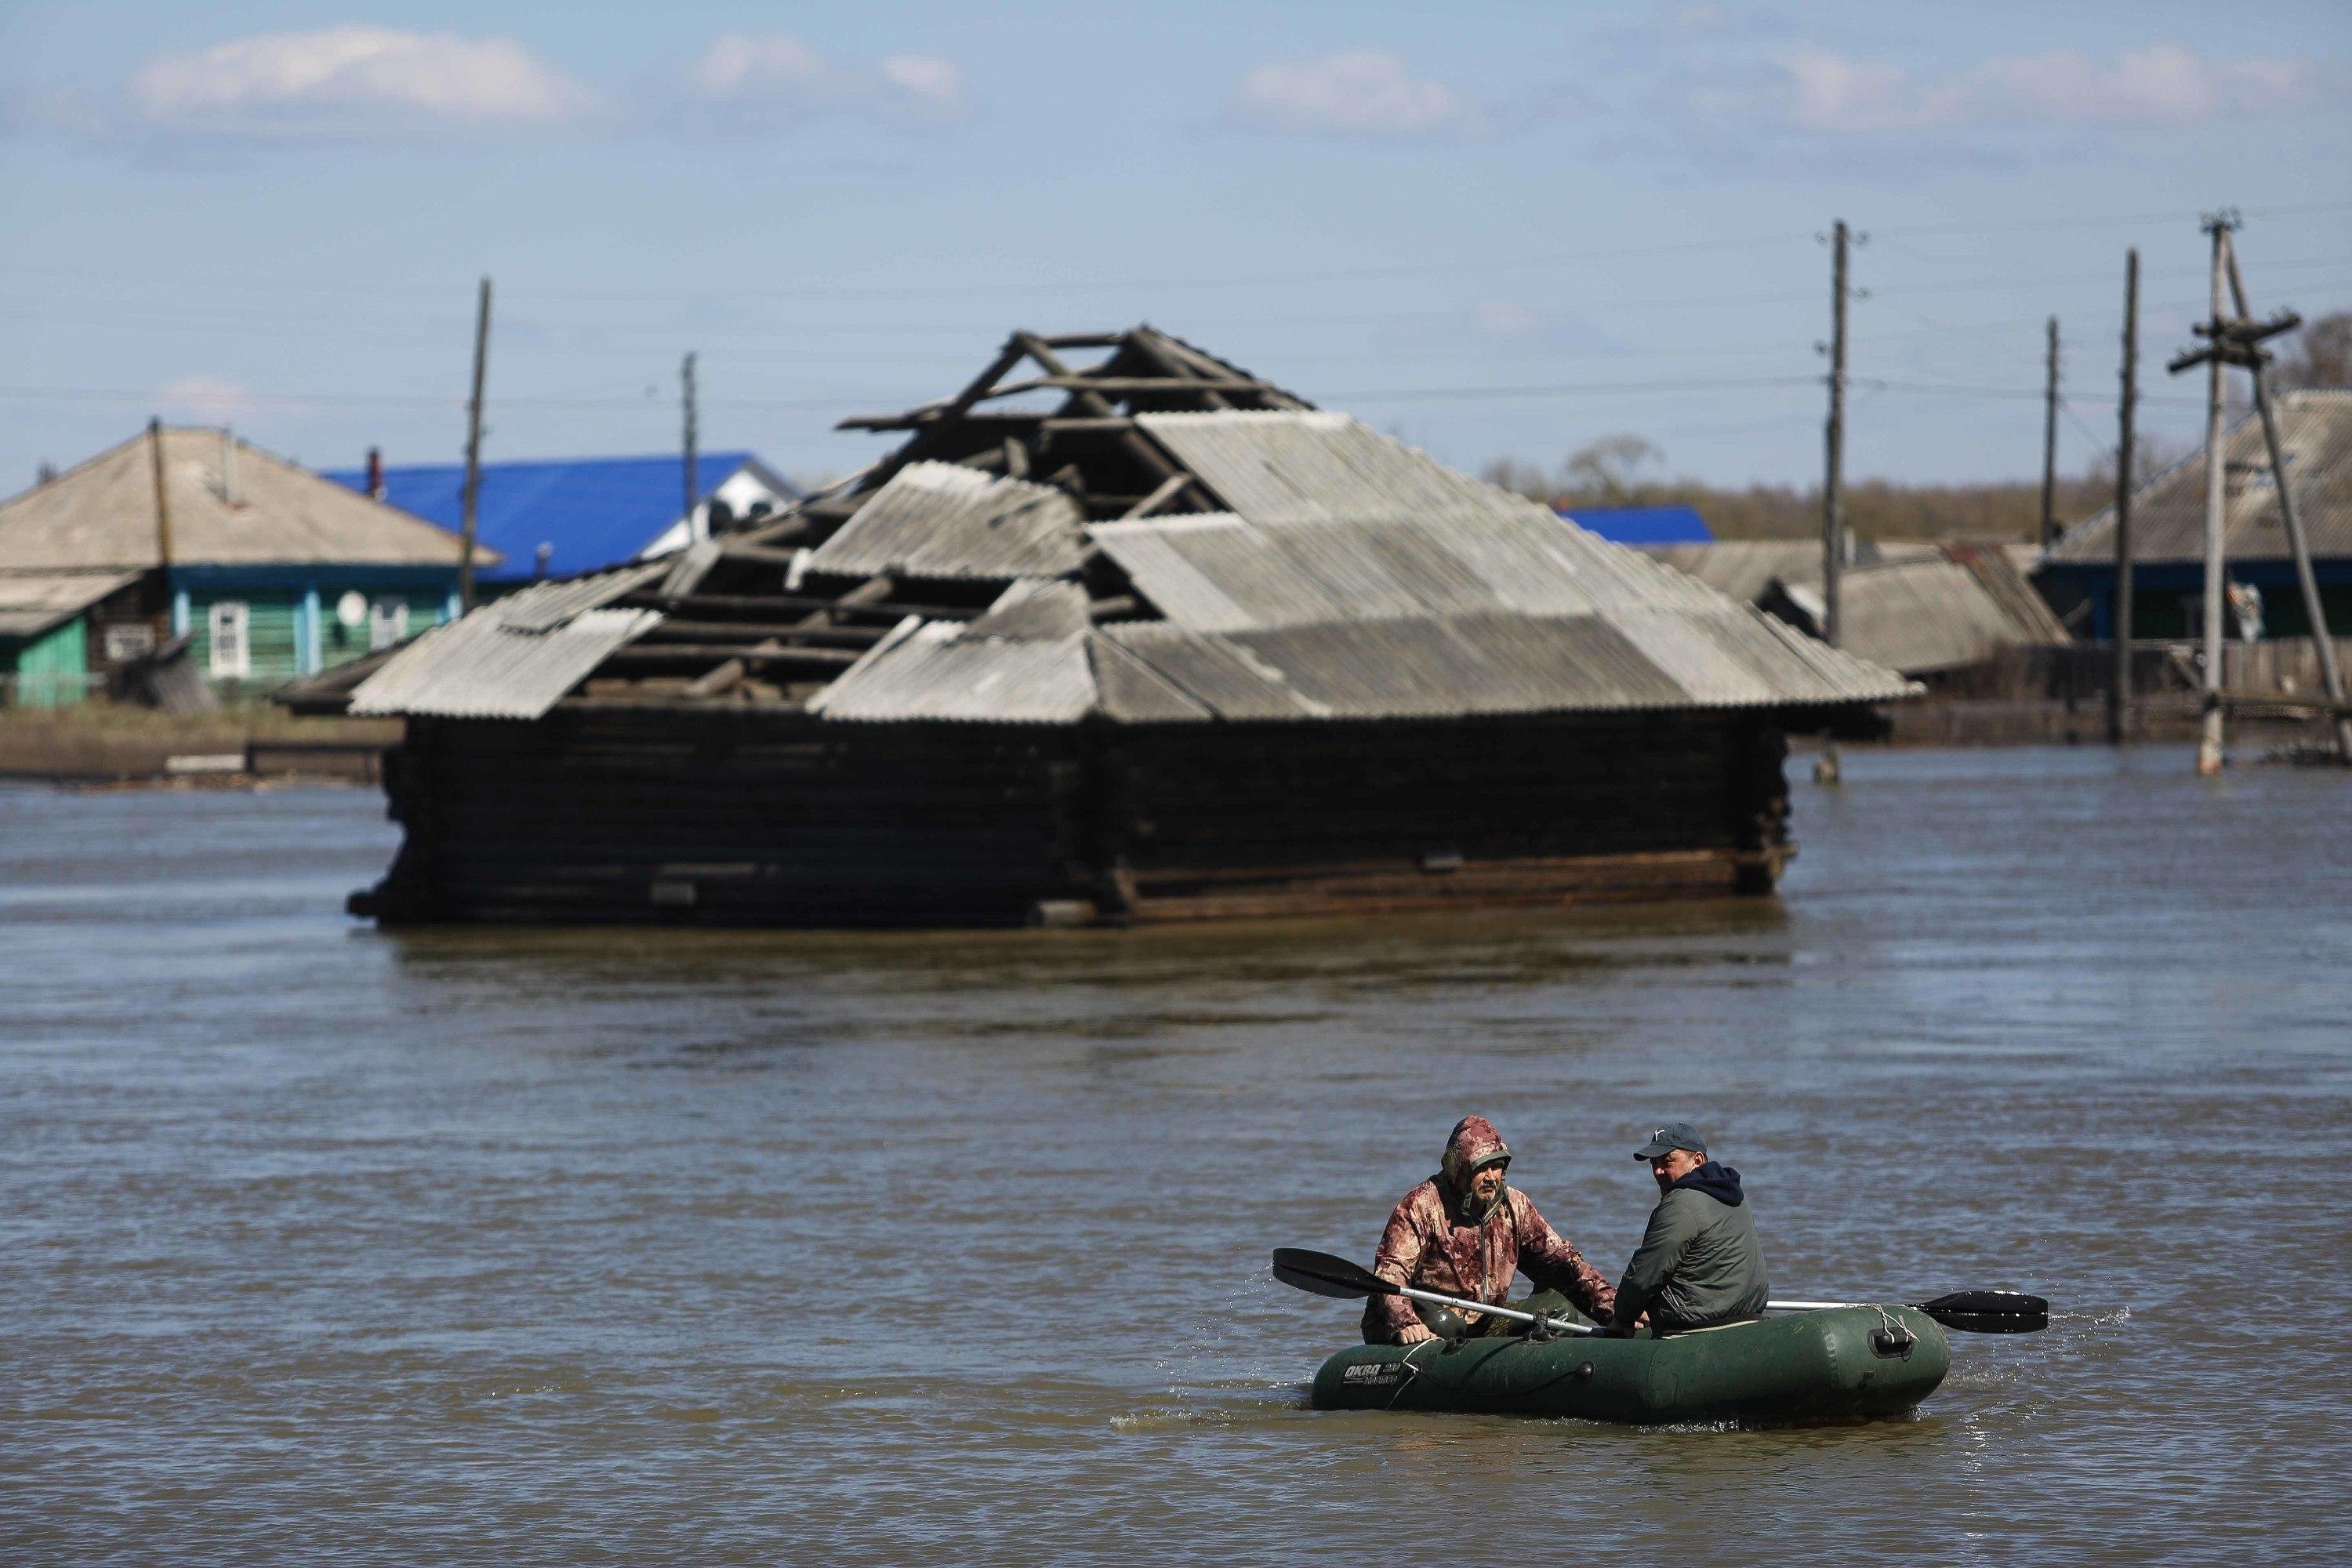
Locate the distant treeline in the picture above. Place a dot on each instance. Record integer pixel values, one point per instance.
(1624, 470)
(1876, 509)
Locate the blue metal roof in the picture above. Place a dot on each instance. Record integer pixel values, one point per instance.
(595, 511)
(1642, 525)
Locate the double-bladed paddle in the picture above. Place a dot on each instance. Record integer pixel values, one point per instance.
(1972, 1312)
(1321, 1273)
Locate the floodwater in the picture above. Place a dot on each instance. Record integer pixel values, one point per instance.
(328, 1246)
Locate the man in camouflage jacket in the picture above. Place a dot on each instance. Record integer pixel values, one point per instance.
(1465, 1232)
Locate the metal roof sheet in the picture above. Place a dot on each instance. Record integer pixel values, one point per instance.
(2169, 511)
(507, 660)
(590, 512)
(1646, 525)
(33, 602)
(943, 519)
(939, 671)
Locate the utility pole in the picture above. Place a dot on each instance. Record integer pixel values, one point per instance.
(693, 488)
(2120, 685)
(474, 453)
(2209, 738)
(2049, 443)
(2248, 337)
(163, 501)
(1826, 769)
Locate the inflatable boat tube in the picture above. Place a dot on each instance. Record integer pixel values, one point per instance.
(1850, 1363)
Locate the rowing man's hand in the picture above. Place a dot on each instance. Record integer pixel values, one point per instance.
(1414, 1333)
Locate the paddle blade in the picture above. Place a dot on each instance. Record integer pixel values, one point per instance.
(1321, 1273)
(1990, 1313)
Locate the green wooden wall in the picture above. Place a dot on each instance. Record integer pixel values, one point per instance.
(50, 670)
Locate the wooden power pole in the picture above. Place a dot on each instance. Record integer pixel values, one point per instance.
(163, 501)
(2248, 339)
(693, 485)
(1826, 769)
(474, 453)
(1833, 478)
(2119, 684)
(2050, 443)
(2210, 738)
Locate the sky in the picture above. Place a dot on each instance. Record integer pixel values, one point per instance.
(1494, 230)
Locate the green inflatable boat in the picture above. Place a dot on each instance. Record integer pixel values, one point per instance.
(1846, 1364)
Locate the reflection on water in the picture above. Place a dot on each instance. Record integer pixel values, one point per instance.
(739, 1246)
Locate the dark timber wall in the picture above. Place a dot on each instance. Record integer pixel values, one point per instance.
(646, 815)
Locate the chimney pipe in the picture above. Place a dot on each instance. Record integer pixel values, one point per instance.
(375, 473)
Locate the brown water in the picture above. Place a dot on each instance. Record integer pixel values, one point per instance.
(324, 1245)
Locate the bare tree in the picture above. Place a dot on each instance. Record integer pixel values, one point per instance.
(2319, 354)
(1610, 467)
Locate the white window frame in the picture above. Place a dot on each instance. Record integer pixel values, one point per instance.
(229, 625)
(387, 623)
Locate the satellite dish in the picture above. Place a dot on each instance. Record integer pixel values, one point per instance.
(351, 608)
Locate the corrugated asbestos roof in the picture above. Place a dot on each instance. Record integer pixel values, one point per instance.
(945, 521)
(2169, 511)
(1033, 608)
(1920, 615)
(1620, 660)
(939, 670)
(514, 659)
(1747, 568)
(231, 504)
(33, 602)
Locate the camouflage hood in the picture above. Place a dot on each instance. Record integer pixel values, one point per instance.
(1473, 1142)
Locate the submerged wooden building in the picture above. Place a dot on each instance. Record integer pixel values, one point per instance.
(1120, 632)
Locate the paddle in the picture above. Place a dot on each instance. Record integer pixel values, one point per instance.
(1973, 1311)
(1321, 1273)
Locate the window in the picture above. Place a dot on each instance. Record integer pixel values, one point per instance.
(228, 622)
(387, 623)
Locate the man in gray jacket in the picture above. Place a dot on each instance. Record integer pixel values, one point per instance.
(1699, 1264)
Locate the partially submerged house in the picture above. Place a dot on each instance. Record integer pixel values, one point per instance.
(2168, 534)
(1118, 632)
(1940, 613)
(558, 517)
(1938, 616)
(270, 570)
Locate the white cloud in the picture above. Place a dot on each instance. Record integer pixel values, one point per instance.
(206, 400)
(763, 77)
(354, 80)
(1363, 93)
(2162, 84)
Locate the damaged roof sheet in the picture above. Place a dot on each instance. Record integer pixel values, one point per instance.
(946, 521)
(939, 670)
(511, 660)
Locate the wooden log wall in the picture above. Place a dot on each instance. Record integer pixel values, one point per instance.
(1313, 818)
(645, 814)
(729, 817)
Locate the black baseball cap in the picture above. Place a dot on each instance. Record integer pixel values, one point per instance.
(1673, 1135)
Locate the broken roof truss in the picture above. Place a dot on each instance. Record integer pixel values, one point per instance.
(1122, 525)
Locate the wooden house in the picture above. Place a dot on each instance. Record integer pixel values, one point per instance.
(1118, 632)
(271, 571)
